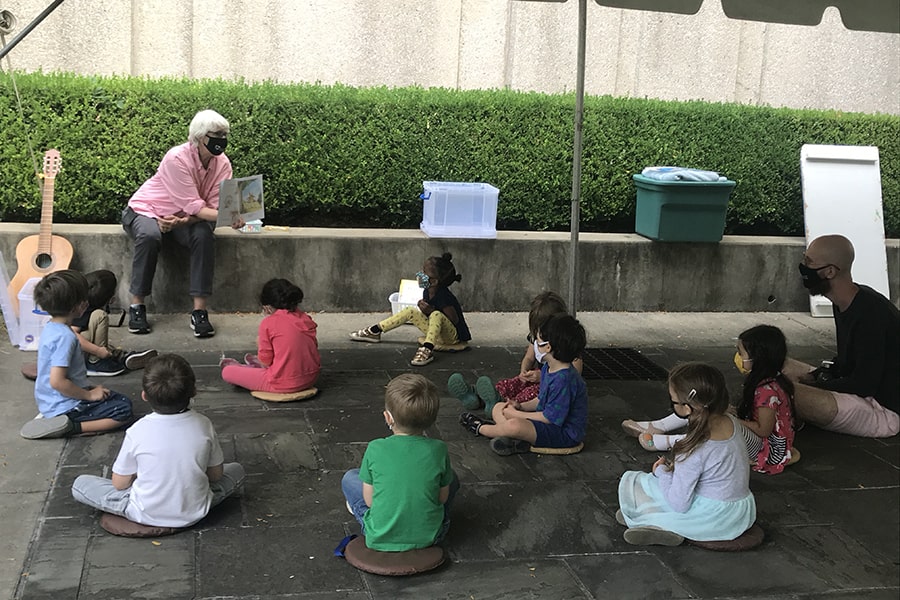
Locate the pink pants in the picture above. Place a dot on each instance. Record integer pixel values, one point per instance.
(863, 417)
(254, 379)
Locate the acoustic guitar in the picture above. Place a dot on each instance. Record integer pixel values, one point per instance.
(44, 253)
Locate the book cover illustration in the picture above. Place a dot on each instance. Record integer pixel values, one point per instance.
(240, 198)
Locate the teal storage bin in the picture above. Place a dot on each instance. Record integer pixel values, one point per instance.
(681, 211)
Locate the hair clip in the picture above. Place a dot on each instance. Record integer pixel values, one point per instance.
(692, 394)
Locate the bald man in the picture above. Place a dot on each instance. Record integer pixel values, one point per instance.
(860, 394)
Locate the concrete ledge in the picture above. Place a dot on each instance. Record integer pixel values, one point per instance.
(354, 270)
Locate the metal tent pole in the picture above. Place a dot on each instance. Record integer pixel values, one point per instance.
(576, 159)
(27, 29)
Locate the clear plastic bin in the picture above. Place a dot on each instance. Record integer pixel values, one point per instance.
(31, 318)
(459, 210)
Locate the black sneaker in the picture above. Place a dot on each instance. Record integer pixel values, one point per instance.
(472, 422)
(506, 446)
(137, 360)
(201, 325)
(105, 367)
(137, 319)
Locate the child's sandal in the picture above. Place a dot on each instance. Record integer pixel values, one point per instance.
(472, 422)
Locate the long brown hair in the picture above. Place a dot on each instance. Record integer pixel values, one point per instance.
(701, 386)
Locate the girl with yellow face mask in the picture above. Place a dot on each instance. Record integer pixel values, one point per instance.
(766, 408)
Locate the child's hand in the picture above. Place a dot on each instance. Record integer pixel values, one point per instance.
(530, 376)
(426, 308)
(510, 409)
(97, 393)
(661, 461)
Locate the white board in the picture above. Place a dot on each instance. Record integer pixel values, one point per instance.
(841, 188)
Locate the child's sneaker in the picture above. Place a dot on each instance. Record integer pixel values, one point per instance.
(137, 319)
(252, 360)
(365, 335)
(636, 428)
(463, 392)
(134, 361)
(40, 428)
(486, 391)
(423, 357)
(105, 367)
(472, 423)
(651, 536)
(506, 446)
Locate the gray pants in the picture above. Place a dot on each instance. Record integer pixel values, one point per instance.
(99, 492)
(197, 237)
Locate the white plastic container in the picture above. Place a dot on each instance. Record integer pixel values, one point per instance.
(397, 305)
(459, 210)
(31, 318)
(409, 295)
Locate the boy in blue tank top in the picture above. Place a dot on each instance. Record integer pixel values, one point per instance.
(401, 493)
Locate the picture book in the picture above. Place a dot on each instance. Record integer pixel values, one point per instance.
(240, 198)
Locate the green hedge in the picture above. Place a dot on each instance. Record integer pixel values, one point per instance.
(341, 156)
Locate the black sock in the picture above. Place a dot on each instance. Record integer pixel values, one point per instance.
(375, 329)
(428, 345)
(76, 427)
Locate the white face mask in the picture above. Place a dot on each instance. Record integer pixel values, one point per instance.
(538, 355)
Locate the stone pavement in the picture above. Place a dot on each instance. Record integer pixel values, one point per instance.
(525, 526)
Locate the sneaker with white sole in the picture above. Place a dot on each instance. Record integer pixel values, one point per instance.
(105, 367)
(201, 325)
(365, 335)
(40, 428)
(134, 361)
(137, 319)
(423, 357)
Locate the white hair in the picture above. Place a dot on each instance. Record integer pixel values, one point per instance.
(204, 122)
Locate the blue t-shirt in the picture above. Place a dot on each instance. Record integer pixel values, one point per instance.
(563, 400)
(59, 347)
(443, 297)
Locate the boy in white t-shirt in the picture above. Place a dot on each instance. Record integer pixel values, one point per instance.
(170, 469)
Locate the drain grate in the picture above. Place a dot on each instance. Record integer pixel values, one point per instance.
(620, 363)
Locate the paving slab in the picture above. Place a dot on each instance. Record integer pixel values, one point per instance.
(524, 526)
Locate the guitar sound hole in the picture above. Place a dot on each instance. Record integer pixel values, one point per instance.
(43, 261)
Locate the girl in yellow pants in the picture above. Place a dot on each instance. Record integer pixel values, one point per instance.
(438, 315)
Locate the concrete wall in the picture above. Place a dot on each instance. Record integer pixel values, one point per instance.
(470, 44)
(354, 270)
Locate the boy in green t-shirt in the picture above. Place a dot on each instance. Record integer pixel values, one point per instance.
(401, 494)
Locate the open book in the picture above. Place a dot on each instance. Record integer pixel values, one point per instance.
(240, 198)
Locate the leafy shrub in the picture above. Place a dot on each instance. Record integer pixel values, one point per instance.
(342, 156)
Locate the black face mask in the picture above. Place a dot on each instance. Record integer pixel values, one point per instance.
(216, 145)
(812, 281)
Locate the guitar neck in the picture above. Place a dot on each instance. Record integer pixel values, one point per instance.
(46, 234)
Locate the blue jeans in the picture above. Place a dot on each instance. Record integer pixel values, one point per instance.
(116, 406)
(352, 487)
(99, 492)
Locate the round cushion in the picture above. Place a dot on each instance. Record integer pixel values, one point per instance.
(457, 347)
(285, 397)
(392, 563)
(29, 371)
(748, 540)
(121, 526)
(570, 450)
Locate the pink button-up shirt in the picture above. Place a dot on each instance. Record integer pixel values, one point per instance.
(181, 186)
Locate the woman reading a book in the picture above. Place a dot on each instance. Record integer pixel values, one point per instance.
(180, 202)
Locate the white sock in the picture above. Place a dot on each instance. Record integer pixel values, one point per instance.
(670, 423)
(665, 442)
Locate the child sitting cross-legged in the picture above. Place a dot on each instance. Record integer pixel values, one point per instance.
(557, 418)
(170, 470)
(401, 493)
(67, 401)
